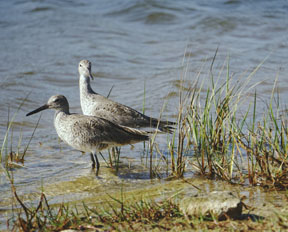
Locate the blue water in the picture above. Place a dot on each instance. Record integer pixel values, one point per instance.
(130, 44)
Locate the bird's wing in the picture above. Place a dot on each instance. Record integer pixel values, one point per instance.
(99, 130)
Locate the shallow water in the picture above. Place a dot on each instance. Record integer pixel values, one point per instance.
(130, 44)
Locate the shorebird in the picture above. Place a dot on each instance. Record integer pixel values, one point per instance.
(89, 133)
(95, 104)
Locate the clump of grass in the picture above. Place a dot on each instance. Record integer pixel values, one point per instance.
(212, 127)
(177, 149)
(10, 157)
(132, 216)
(176, 145)
(266, 146)
(226, 141)
(42, 217)
(210, 133)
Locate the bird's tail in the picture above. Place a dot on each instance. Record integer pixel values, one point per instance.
(137, 135)
(164, 126)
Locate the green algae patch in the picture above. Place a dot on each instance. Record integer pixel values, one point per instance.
(106, 192)
(94, 191)
(92, 203)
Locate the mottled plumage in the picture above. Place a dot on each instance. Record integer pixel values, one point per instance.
(95, 104)
(89, 133)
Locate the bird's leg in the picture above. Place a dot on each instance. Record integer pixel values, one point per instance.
(93, 160)
(97, 163)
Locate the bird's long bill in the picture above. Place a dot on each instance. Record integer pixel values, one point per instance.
(38, 110)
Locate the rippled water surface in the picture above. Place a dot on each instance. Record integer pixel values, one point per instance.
(131, 44)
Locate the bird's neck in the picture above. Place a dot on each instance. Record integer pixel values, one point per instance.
(62, 111)
(60, 115)
(84, 85)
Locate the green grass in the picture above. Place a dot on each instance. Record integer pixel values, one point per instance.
(225, 141)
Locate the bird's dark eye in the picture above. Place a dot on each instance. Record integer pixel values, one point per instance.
(80, 65)
(56, 100)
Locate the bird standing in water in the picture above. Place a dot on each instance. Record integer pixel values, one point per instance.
(89, 133)
(95, 104)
